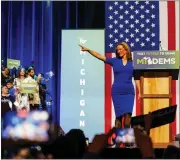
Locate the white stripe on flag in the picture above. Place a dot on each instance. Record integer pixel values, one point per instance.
(163, 24)
(178, 81)
(178, 106)
(112, 111)
(134, 107)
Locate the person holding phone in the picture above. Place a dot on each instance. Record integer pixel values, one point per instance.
(123, 92)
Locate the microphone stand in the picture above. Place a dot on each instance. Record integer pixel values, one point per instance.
(161, 49)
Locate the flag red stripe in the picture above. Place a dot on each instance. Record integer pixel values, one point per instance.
(138, 106)
(172, 46)
(108, 101)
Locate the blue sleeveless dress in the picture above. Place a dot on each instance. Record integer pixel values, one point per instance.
(123, 92)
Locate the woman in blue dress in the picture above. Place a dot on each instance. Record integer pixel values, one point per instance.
(123, 92)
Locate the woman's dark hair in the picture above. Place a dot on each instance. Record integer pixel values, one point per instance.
(127, 48)
(22, 69)
(30, 69)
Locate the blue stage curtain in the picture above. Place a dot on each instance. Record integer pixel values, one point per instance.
(31, 31)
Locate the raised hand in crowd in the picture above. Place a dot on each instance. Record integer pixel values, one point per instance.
(99, 143)
(143, 141)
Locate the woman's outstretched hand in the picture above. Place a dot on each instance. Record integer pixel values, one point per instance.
(93, 53)
(83, 48)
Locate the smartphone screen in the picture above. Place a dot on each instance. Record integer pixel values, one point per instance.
(30, 126)
(125, 135)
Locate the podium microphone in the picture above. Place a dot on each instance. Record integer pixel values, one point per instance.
(160, 46)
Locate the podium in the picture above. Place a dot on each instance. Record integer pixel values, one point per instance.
(157, 72)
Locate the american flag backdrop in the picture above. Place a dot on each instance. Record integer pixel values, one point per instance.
(143, 25)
